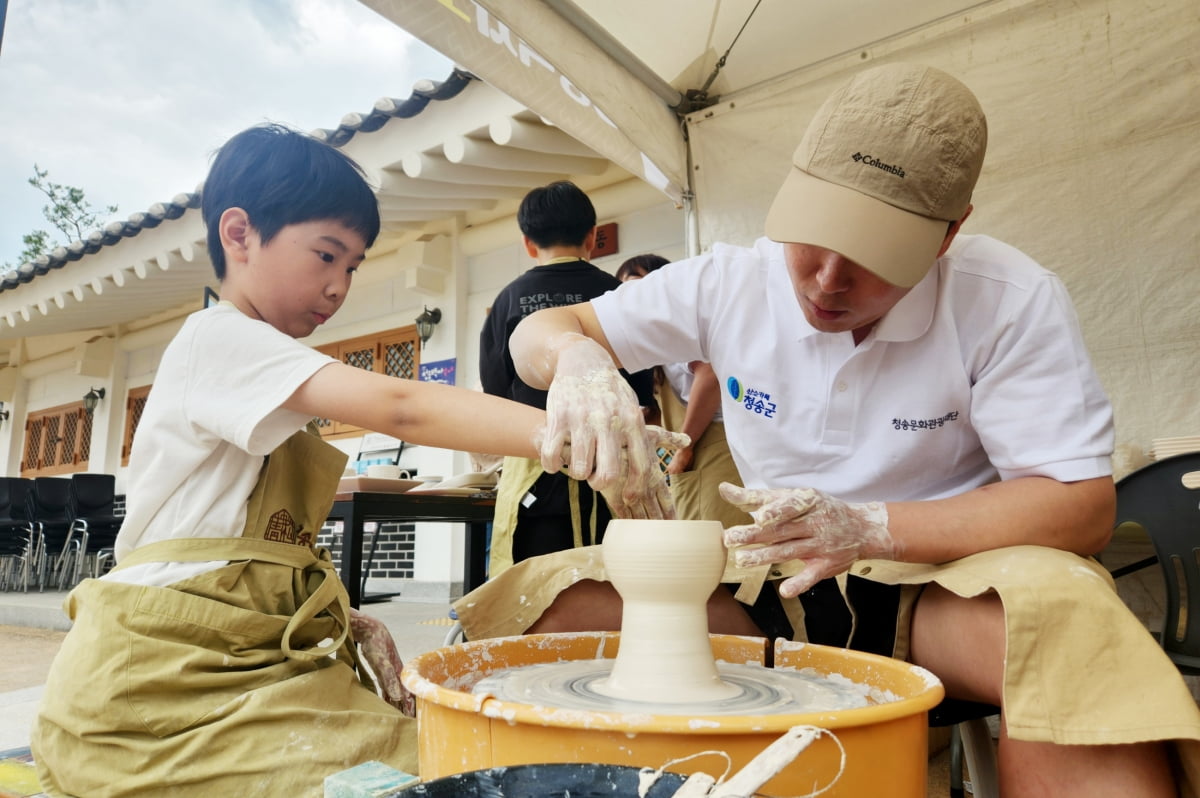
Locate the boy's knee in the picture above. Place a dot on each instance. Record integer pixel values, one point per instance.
(586, 606)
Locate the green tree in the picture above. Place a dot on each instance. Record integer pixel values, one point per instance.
(68, 210)
(35, 244)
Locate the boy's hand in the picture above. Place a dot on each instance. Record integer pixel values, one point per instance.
(649, 497)
(379, 650)
(826, 533)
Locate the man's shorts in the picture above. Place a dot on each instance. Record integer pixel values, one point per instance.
(829, 621)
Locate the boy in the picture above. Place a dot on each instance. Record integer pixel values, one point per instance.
(216, 659)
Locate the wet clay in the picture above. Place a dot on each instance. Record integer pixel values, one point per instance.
(665, 571)
(746, 690)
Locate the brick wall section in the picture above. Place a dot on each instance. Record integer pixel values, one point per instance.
(394, 549)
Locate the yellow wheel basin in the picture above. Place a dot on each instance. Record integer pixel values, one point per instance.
(886, 744)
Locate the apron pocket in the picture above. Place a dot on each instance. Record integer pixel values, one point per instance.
(685, 482)
(190, 656)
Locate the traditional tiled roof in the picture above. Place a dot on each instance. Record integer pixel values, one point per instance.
(386, 108)
(108, 235)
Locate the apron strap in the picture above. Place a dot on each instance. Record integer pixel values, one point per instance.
(213, 549)
(330, 594)
(576, 514)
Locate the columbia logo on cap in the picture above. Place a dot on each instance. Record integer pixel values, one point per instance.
(878, 164)
(917, 138)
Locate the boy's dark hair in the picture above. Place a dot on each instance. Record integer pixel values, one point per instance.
(559, 214)
(640, 266)
(279, 176)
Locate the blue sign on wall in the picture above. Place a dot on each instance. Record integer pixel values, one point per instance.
(439, 371)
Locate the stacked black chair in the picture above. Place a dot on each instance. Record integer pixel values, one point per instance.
(93, 522)
(18, 541)
(49, 508)
(1164, 499)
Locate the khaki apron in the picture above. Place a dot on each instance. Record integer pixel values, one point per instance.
(240, 680)
(1080, 668)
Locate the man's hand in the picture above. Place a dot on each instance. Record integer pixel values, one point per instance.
(379, 650)
(826, 533)
(595, 428)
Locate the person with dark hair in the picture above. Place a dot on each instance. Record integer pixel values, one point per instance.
(557, 215)
(639, 266)
(252, 172)
(539, 512)
(219, 656)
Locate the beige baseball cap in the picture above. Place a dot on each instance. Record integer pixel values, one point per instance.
(889, 160)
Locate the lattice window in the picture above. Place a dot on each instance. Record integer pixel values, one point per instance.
(135, 403)
(361, 356)
(400, 358)
(664, 457)
(396, 353)
(58, 440)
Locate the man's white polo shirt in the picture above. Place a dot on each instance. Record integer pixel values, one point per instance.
(979, 373)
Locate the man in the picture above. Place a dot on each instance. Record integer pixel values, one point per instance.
(925, 445)
(537, 512)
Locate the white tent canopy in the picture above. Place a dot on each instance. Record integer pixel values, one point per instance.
(1093, 126)
(616, 74)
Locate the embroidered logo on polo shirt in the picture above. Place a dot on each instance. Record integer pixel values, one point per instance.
(751, 399)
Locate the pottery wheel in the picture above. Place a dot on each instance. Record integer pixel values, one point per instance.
(761, 691)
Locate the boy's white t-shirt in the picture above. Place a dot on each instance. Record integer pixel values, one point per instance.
(212, 415)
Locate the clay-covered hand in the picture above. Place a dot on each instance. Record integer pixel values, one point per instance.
(379, 650)
(649, 496)
(805, 524)
(595, 428)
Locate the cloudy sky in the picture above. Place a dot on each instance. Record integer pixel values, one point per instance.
(128, 99)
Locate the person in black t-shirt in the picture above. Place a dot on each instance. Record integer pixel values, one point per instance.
(539, 512)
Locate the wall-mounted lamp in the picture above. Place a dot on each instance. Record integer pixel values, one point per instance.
(426, 322)
(92, 398)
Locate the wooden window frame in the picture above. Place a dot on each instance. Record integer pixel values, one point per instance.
(58, 440)
(372, 350)
(135, 403)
